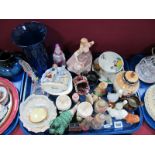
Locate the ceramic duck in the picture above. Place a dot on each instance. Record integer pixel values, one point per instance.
(113, 97)
(59, 124)
(120, 105)
(123, 114)
(117, 114)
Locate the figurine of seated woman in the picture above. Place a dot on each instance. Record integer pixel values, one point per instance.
(81, 60)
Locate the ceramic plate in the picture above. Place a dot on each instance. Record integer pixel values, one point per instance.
(15, 101)
(37, 101)
(149, 101)
(47, 84)
(9, 108)
(111, 62)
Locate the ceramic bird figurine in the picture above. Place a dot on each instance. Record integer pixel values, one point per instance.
(117, 114)
(120, 105)
(132, 118)
(123, 114)
(59, 124)
(113, 97)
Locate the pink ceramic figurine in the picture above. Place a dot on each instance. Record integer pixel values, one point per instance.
(81, 60)
(58, 56)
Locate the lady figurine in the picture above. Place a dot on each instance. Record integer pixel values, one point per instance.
(81, 60)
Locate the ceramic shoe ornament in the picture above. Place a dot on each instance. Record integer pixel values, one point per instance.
(58, 125)
(58, 56)
(81, 60)
(81, 85)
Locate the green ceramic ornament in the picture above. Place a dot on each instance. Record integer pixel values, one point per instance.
(59, 124)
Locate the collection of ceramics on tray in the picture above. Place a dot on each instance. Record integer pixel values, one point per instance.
(38, 113)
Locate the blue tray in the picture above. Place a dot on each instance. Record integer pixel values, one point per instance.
(143, 87)
(127, 128)
(18, 81)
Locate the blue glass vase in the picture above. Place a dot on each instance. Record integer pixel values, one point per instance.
(30, 37)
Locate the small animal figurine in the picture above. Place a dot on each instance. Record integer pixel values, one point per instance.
(117, 114)
(89, 98)
(113, 97)
(100, 106)
(120, 105)
(81, 60)
(58, 56)
(85, 125)
(98, 121)
(100, 90)
(132, 118)
(95, 97)
(59, 124)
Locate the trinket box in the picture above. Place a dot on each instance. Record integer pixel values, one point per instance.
(63, 102)
(84, 110)
(127, 81)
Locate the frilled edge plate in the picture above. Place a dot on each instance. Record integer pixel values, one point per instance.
(15, 102)
(37, 128)
(148, 105)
